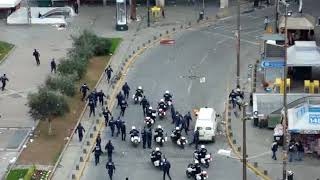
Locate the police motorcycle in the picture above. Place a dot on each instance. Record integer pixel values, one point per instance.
(205, 159)
(176, 138)
(137, 97)
(134, 136)
(148, 122)
(162, 109)
(159, 137)
(156, 158)
(167, 98)
(195, 171)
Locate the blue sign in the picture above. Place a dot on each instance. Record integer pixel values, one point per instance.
(272, 64)
(314, 118)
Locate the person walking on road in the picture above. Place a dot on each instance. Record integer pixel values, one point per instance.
(119, 97)
(123, 131)
(292, 150)
(92, 108)
(123, 107)
(266, 22)
(187, 119)
(109, 147)
(118, 125)
(84, 89)
(112, 125)
(36, 55)
(166, 169)
(196, 136)
(274, 149)
(76, 7)
(144, 137)
(149, 137)
(106, 113)
(3, 80)
(97, 152)
(144, 103)
(101, 97)
(111, 168)
(80, 131)
(108, 72)
(126, 90)
(300, 151)
(53, 66)
(98, 140)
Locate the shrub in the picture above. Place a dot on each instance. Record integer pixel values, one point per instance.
(47, 104)
(15, 174)
(64, 84)
(73, 66)
(103, 47)
(86, 42)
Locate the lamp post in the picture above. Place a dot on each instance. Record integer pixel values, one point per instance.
(238, 43)
(148, 13)
(244, 142)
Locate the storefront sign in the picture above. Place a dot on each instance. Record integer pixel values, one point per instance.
(272, 64)
(314, 118)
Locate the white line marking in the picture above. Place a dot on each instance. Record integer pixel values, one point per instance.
(189, 87)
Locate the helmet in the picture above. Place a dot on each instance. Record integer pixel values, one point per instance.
(177, 128)
(157, 149)
(147, 118)
(196, 161)
(167, 92)
(202, 146)
(238, 90)
(150, 107)
(133, 127)
(159, 126)
(183, 138)
(161, 100)
(139, 87)
(204, 173)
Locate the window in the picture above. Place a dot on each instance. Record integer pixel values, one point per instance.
(208, 128)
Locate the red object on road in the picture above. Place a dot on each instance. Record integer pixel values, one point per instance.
(167, 41)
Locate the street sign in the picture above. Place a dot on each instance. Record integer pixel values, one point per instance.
(272, 64)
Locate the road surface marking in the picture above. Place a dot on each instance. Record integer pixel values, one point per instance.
(232, 37)
(189, 87)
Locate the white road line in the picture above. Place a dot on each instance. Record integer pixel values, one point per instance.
(232, 37)
(204, 58)
(189, 87)
(259, 155)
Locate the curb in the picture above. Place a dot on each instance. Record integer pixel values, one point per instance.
(8, 54)
(235, 149)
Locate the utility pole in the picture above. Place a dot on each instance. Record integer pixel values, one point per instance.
(244, 142)
(285, 117)
(148, 13)
(238, 44)
(277, 16)
(203, 7)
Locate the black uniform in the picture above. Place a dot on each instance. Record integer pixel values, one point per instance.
(109, 147)
(196, 138)
(108, 72)
(97, 152)
(123, 131)
(123, 106)
(36, 55)
(144, 103)
(159, 132)
(166, 169)
(53, 66)
(162, 105)
(84, 89)
(119, 98)
(167, 97)
(149, 137)
(187, 119)
(80, 131)
(3, 80)
(98, 141)
(106, 114)
(144, 137)
(134, 133)
(111, 169)
(101, 96)
(112, 125)
(92, 108)
(118, 125)
(76, 7)
(126, 90)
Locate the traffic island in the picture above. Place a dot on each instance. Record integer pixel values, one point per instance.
(5, 49)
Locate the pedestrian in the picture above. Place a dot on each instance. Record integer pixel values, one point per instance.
(111, 168)
(36, 55)
(178, 119)
(101, 96)
(80, 131)
(123, 107)
(92, 108)
(76, 7)
(162, 12)
(233, 98)
(109, 147)
(300, 151)
(144, 137)
(106, 114)
(118, 125)
(123, 131)
(166, 169)
(266, 22)
(292, 150)
(274, 149)
(94, 96)
(188, 119)
(196, 136)
(3, 80)
(98, 140)
(184, 125)
(144, 103)
(108, 72)
(112, 125)
(97, 152)
(84, 89)
(119, 97)
(149, 137)
(126, 90)
(173, 114)
(53, 66)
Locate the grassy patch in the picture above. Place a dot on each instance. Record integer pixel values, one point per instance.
(15, 174)
(4, 49)
(45, 149)
(114, 44)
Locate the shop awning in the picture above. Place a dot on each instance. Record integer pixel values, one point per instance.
(296, 23)
(304, 53)
(9, 3)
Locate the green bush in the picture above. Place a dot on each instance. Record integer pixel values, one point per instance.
(114, 44)
(64, 84)
(86, 42)
(102, 47)
(16, 174)
(30, 172)
(73, 66)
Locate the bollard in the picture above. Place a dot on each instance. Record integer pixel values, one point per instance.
(88, 143)
(230, 134)
(94, 128)
(167, 32)
(181, 26)
(160, 35)
(133, 52)
(207, 18)
(97, 121)
(239, 149)
(149, 41)
(81, 159)
(112, 86)
(73, 176)
(154, 38)
(91, 135)
(173, 29)
(189, 23)
(126, 60)
(234, 141)
(265, 172)
(255, 164)
(77, 167)
(143, 44)
(84, 151)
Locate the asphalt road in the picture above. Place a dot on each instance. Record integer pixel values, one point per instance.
(207, 52)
